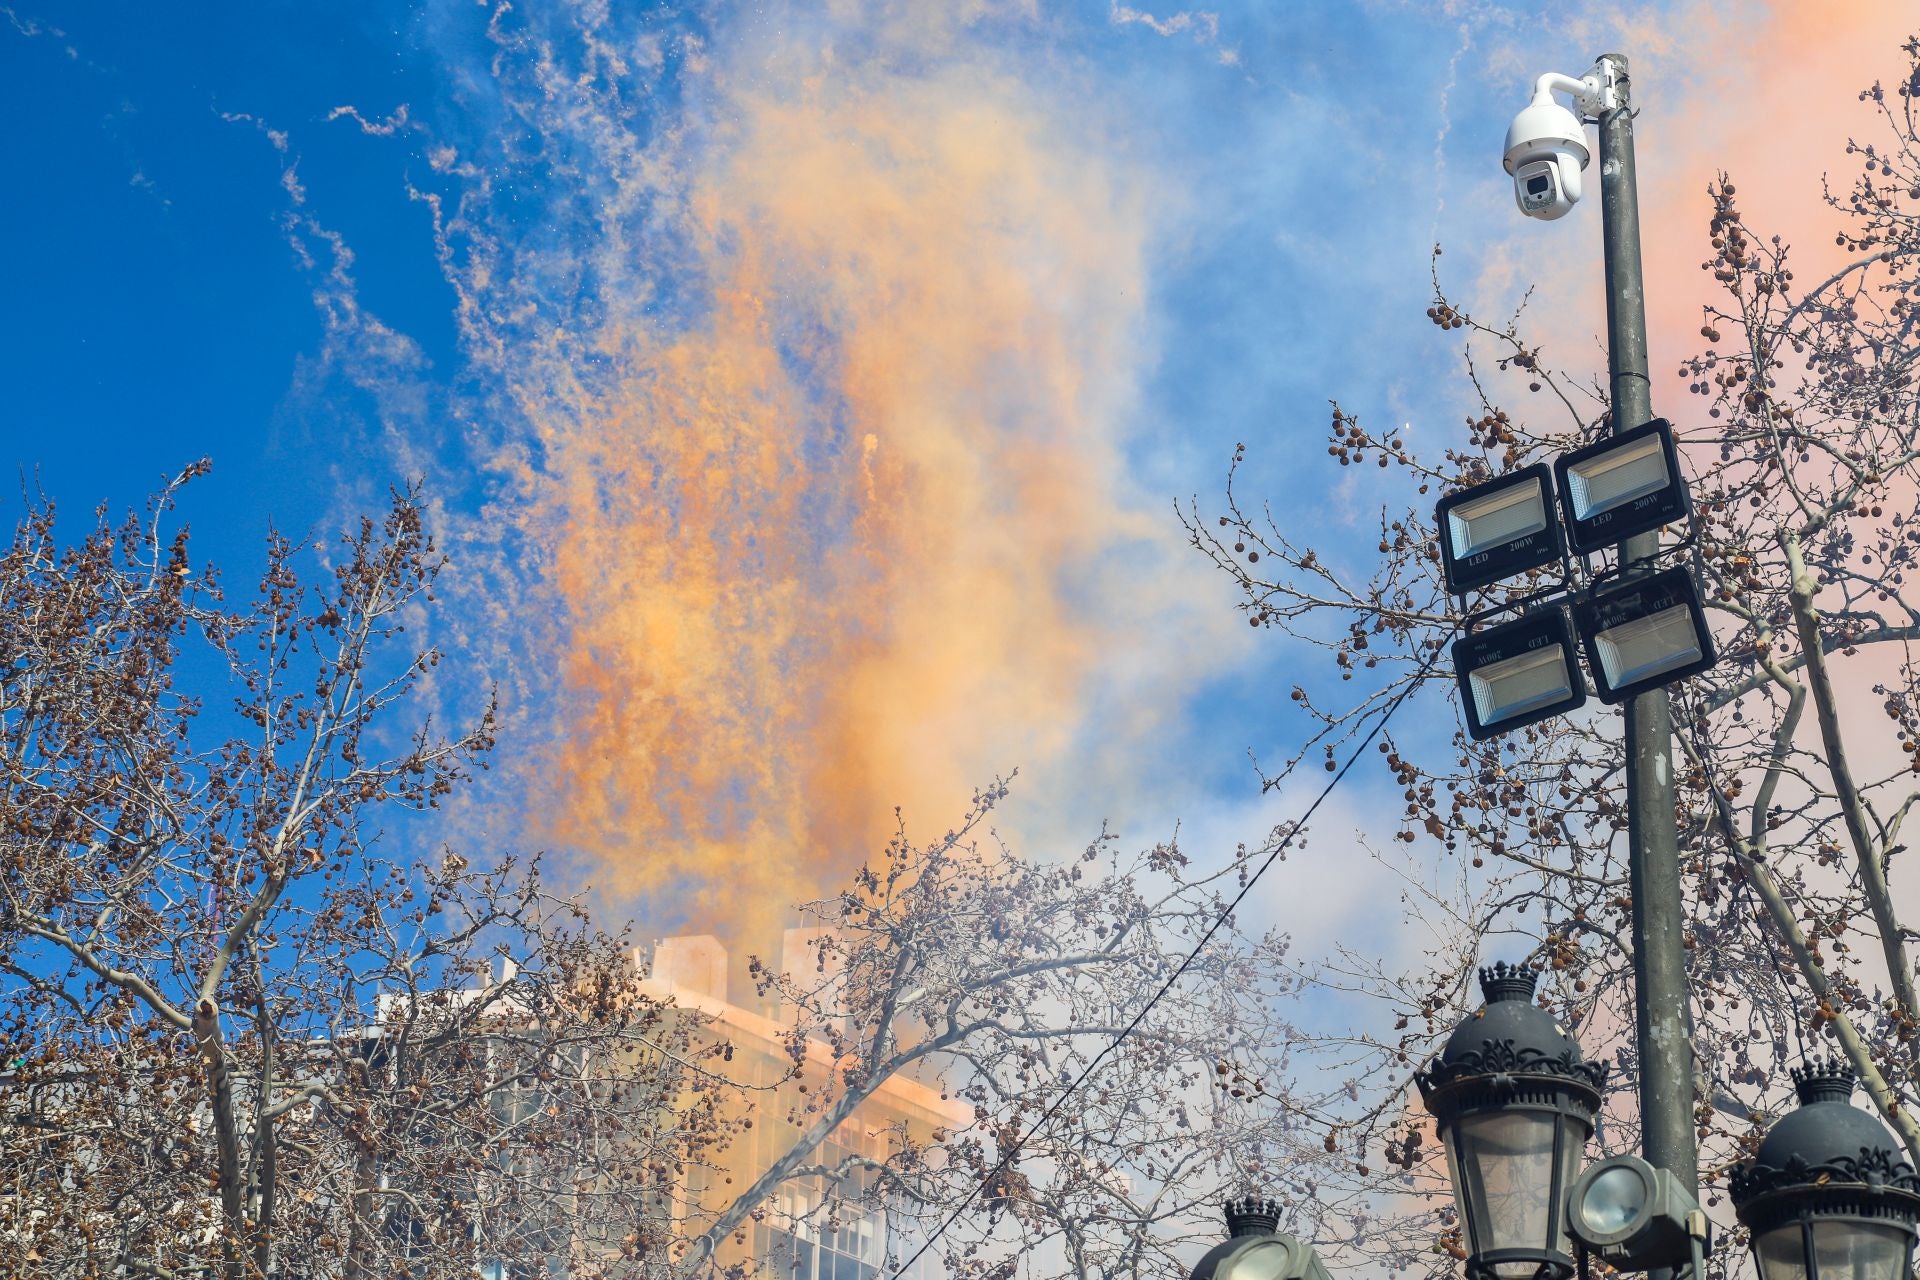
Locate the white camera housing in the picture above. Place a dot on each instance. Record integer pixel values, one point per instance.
(1547, 149)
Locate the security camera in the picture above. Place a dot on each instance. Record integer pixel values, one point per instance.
(1547, 150)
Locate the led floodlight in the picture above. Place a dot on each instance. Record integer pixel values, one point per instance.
(1498, 529)
(1518, 672)
(1644, 633)
(1623, 485)
(1631, 1214)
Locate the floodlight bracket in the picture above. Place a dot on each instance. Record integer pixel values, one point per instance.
(1595, 581)
(1566, 586)
(1595, 603)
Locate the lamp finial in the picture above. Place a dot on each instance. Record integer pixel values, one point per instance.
(1824, 1080)
(1252, 1216)
(1503, 981)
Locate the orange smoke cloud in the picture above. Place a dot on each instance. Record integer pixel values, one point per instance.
(835, 545)
(1771, 98)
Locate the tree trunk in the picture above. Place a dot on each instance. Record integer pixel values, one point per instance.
(226, 1136)
(1873, 873)
(360, 1214)
(265, 1166)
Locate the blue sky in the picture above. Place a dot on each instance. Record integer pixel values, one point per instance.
(211, 258)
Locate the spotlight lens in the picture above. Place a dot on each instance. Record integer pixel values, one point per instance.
(1645, 647)
(1617, 477)
(1502, 690)
(1612, 1201)
(1496, 519)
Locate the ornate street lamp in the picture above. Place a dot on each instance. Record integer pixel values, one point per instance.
(1256, 1250)
(1829, 1195)
(1514, 1102)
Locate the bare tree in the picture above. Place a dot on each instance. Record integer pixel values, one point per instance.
(1798, 751)
(239, 1040)
(1001, 978)
(242, 1041)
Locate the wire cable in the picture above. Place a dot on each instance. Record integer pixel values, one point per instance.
(1008, 1154)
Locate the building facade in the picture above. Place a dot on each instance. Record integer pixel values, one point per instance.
(811, 1230)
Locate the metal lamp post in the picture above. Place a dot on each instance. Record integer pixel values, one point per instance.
(1659, 923)
(1255, 1248)
(1640, 634)
(1514, 1101)
(1660, 973)
(1829, 1195)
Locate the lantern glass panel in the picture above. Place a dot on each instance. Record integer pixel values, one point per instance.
(1645, 647)
(1262, 1262)
(1468, 1223)
(1511, 1159)
(1848, 1249)
(1573, 1154)
(1781, 1254)
(1497, 519)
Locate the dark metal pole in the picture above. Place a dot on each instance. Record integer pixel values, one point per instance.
(1659, 951)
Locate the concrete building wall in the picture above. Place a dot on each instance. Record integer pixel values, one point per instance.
(692, 971)
(696, 964)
